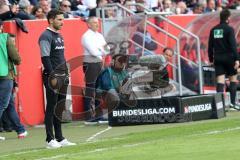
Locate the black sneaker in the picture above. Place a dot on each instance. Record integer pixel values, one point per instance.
(234, 106)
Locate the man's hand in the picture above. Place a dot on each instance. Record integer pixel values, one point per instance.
(53, 82)
(236, 66)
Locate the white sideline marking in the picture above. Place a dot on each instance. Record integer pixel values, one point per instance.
(106, 149)
(217, 131)
(23, 152)
(97, 134)
(132, 145)
(136, 144)
(99, 150)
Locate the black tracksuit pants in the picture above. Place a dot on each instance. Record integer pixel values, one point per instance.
(55, 106)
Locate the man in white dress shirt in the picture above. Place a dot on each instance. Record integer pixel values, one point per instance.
(93, 43)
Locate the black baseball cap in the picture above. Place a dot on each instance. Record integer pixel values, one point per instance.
(123, 57)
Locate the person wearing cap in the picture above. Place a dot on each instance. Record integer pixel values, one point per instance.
(109, 82)
(8, 58)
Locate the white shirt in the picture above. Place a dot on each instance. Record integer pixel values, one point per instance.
(93, 44)
(89, 3)
(151, 3)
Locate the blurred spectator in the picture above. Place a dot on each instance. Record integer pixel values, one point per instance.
(82, 8)
(197, 9)
(45, 5)
(145, 43)
(152, 4)
(130, 4)
(90, 4)
(75, 4)
(93, 11)
(211, 6)
(54, 4)
(38, 12)
(25, 9)
(181, 8)
(140, 9)
(33, 2)
(168, 6)
(110, 13)
(191, 3)
(8, 12)
(65, 7)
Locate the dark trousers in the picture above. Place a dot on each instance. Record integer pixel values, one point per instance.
(13, 116)
(91, 70)
(7, 104)
(56, 99)
(5, 123)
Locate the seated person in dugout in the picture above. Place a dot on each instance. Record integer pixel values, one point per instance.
(114, 84)
(143, 38)
(109, 84)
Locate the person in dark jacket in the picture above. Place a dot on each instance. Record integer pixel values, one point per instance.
(222, 52)
(55, 78)
(13, 10)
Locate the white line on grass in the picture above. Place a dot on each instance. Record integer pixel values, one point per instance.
(22, 152)
(217, 131)
(106, 149)
(97, 134)
(94, 151)
(130, 145)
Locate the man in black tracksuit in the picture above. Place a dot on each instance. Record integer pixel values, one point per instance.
(222, 52)
(55, 78)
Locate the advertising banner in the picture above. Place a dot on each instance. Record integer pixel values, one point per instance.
(168, 110)
(199, 107)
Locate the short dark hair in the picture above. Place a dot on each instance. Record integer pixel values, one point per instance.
(53, 14)
(224, 15)
(167, 48)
